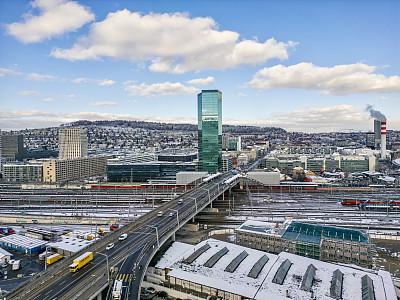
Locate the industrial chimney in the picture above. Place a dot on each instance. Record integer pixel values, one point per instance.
(383, 140)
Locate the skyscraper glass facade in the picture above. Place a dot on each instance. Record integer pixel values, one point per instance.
(210, 130)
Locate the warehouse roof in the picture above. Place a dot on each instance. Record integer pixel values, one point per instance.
(22, 241)
(262, 286)
(4, 253)
(71, 244)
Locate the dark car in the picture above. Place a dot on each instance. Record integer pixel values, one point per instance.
(162, 294)
(151, 290)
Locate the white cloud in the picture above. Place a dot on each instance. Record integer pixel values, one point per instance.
(39, 77)
(243, 95)
(104, 103)
(101, 82)
(47, 99)
(201, 81)
(81, 80)
(338, 80)
(317, 119)
(172, 43)
(4, 71)
(106, 82)
(28, 93)
(133, 101)
(56, 17)
(166, 88)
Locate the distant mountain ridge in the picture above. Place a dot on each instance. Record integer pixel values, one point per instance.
(174, 126)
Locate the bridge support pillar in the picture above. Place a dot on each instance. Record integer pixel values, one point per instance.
(99, 297)
(193, 219)
(173, 237)
(211, 204)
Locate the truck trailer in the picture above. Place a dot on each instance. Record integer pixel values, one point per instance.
(53, 258)
(80, 261)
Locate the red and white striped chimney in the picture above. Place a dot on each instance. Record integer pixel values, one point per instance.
(383, 140)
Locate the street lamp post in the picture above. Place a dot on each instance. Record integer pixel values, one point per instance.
(177, 215)
(195, 202)
(108, 269)
(158, 242)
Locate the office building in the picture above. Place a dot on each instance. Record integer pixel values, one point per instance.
(226, 163)
(64, 170)
(316, 241)
(12, 147)
(148, 170)
(72, 143)
(210, 130)
(370, 140)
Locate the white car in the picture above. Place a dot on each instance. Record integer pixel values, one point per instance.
(171, 214)
(160, 214)
(110, 246)
(123, 237)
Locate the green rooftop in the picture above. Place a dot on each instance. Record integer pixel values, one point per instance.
(313, 233)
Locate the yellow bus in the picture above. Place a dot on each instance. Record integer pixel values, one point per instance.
(80, 261)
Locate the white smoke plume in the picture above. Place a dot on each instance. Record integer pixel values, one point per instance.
(375, 113)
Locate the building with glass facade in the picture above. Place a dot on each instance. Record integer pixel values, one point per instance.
(147, 171)
(210, 130)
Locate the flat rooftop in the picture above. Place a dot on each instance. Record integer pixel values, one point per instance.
(304, 232)
(266, 228)
(286, 268)
(71, 244)
(22, 241)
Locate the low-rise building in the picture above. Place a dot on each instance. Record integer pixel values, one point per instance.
(68, 245)
(22, 243)
(148, 170)
(229, 271)
(5, 256)
(326, 243)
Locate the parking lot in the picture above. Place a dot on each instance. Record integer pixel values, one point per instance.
(30, 265)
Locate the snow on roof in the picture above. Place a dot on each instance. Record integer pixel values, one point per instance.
(22, 241)
(261, 227)
(236, 282)
(71, 244)
(371, 173)
(4, 253)
(174, 253)
(262, 287)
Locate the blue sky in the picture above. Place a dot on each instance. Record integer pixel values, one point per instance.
(308, 66)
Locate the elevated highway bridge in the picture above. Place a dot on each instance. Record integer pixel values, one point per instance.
(131, 256)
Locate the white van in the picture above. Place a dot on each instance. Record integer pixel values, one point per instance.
(160, 214)
(123, 237)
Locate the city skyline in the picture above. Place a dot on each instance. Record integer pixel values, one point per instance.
(303, 66)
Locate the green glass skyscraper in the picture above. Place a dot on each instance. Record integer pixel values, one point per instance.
(209, 104)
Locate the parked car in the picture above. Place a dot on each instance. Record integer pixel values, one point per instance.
(180, 201)
(110, 246)
(160, 214)
(162, 294)
(151, 290)
(171, 214)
